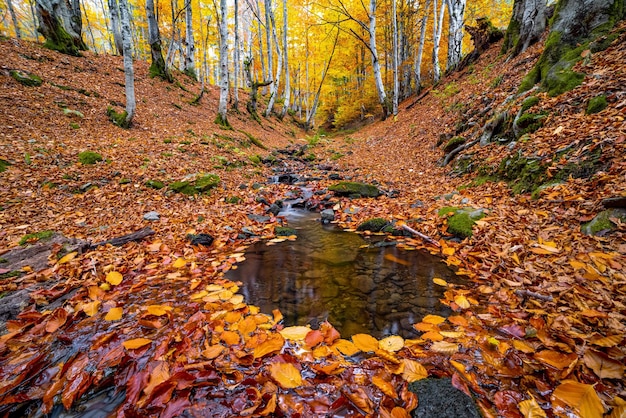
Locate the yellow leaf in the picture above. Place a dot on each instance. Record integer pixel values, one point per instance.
(448, 251)
(608, 341)
(462, 301)
(296, 333)
(345, 347)
(433, 319)
(413, 370)
(67, 257)
(523, 347)
(199, 295)
(459, 366)
(580, 397)
(392, 343)
(135, 343)
(158, 310)
(556, 359)
(365, 342)
(114, 278)
(114, 314)
(236, 299)
(604, 366)
(247, 325)
(275, 343)
(230, 337)
(452, 334)
(531, 409)
(91, 308)
(286, 375)
(444, 347)
(180, 262)
(384, 386)
(440, 282)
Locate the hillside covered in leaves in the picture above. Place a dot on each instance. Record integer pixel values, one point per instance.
(503, 184)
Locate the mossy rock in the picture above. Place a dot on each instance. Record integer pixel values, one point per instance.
(596, 105)
(206, 182)
(183, 187)
(349, 188)
(602, 222)
(155, 184)
(89, 157)
(461, 220)
(453, 143)
(71, 112)
(530, 122)
(4, 165)
(522, 174)
(284, 231)
(255, 159)
(124, 181)
(530, 102)
(26, 79)
(439, 398)
(374, 225)
(37, 236)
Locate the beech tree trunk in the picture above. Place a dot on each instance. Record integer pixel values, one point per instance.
(129, 76)
(456, 11)
(380, 88)
(223, 67)
(18, 33)
(114, 12)
(279, 66)
(60, 23)
(157, 68)
(190, 46)
(420, 49)
(396, 86)
(526, 26)
(286, 58)
(236, 59)
(437, 27)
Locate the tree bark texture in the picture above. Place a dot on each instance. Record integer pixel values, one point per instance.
(114, 12)
(223, 67)
(60, 23)
(18, 33)
(129, 76)
(526, 26)
(380, 88)
(190, 46)
(456, 12)
(157, 68)
(286, 58)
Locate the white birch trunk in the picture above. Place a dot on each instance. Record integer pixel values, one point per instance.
(223, 71)
(236, 59)
(115, 26)
(190, 45)
(437, 26)
(380, 88)
(420, 49)
(396, 87)
(129, 76)
(456, 11)
(279, 65)
(286, 58)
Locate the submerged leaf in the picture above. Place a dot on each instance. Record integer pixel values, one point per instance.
(286, 375)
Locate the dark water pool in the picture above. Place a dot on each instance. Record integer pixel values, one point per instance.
(327, 274)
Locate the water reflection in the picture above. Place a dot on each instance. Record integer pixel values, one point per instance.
(325, 274)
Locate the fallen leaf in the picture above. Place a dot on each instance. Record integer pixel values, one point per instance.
(384, 386)
(440, 282)
(345, 347)
(67, 257)
(413, 371)
(179, 263)
(462, 301)
(286, 375)
(57, 320)
(91, 308)
(531, 409)
(296, 333)
(213, 351)
(114, 278)
(365, 342)
(114, 314)
(433, 319)
(275, 343)
(603, 366)
(158, 310)
(392, 343)
(556, 359)
(135, 343)
(582, 398)
(444, 347)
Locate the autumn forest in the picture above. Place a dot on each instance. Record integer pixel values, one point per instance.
(393, 208)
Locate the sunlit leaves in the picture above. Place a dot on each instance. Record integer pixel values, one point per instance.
(67, 257)
(413, 371)
(556, 359)
(444, 347)
(114, 314)
(433, 319)
(581, 397)
(114, 278)
(345, 347)
(274, 343)
(365, 342)
(531, 409)
(296, 333)
(386, 387)
(136, 343)
(392, 343)
(213, 351)
(286, 375)
(440, 281)
(158, 310)
(179, 263)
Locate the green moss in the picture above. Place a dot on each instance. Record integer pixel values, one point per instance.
(124, 181)
(4, 165)
(447, 210)
(602, 222)
(530, 102)
(89, 157)
(118, 119)
(3, 260)
(74, 125)
(183, 187)
(461, 221)
(59, 40)
(374, 225)
(511, 37)
(284, 231)
(255, 159)
(311, 157)
(348, 188)
(206, 182)
(453, 143)
(37, 236)
(155, 184)
(530, 122)
(223, 122)
(11, 274)
(597, 104)
(26, 79)
(233, 200)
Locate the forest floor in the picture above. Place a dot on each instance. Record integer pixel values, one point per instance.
(152, 327)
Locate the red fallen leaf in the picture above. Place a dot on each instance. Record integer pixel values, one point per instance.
(76, 387)
(330, 333)
(506, 401)
(175, 408)
(360, 400)
(313, 338)
(57, 320)
(513, 330)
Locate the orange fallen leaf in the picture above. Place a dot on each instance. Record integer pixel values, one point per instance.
(386, 387)
(286, 375)
(158, 310)
(135, 342)
(274, 343)
(345, 347)
(444, 347)
(531, 409)
(179, 263)
(57, 320)
(114, 278)
(295, 333)
(433, 319)
(365, 342)
(582, 398)
(556, 359)
(230, 337)
(91, 308)
(114, 314)
(413, 371)
(213, 351)
(462, 301)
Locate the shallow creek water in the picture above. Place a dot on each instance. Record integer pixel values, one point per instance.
(327, 273)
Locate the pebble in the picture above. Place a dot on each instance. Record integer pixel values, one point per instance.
(151, 216)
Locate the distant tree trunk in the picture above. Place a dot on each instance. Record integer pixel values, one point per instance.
(456, 11)
(437, 27)
(420, 49)
(236, 59)
(129, 76)
(286, 58)
(268, 41)
(157, 68)
(380, 88)
(311, 113)
(575, 25)
(396, 87)
(190, 45)
(18, 33)
(223, 72)
(60, 23)
(279, 66)
(526, 26)
(114, 12)
(264, 73)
